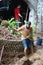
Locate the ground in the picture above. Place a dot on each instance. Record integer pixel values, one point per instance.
(11, 58)
(34, 59)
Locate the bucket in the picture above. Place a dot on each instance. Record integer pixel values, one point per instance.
(38, 41)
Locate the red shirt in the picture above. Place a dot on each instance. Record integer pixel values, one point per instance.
(16, 12)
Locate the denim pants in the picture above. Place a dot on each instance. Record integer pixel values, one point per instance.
(27, 43)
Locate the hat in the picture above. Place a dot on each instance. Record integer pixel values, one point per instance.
(29, 23)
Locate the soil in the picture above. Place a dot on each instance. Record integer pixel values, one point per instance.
(33, 59)
(6, 34)
(10, 58)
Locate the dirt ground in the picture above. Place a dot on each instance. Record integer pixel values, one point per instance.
(33, 59)
(10, 58)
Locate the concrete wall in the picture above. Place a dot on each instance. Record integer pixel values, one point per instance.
(37, 6)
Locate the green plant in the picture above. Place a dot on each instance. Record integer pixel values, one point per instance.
(13, 23)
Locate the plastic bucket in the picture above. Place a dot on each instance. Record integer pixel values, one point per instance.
(38, 41)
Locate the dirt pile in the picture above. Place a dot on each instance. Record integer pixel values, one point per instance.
(5, 34)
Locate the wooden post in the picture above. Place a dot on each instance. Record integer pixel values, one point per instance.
(26, 14)
(1, 53)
